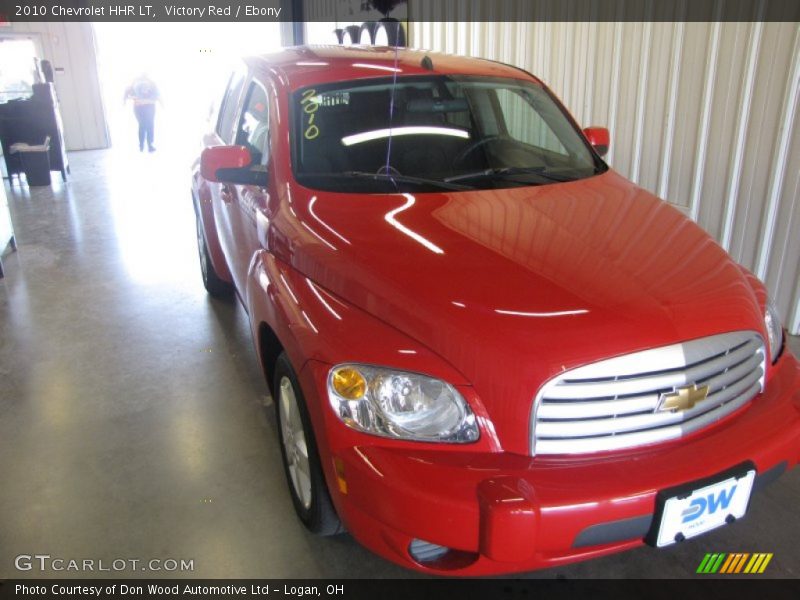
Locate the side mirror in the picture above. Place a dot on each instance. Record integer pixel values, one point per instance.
(231, 164)
(599, 138)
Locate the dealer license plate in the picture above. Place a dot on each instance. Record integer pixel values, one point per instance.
(690, 514)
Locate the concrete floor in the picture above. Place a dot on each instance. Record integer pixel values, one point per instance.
(135, 422)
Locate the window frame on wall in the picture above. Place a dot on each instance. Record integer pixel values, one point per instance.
(36, 42)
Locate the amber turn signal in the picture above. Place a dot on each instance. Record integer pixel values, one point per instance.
(349, 383)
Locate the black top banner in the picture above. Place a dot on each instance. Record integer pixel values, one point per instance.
(404, 10)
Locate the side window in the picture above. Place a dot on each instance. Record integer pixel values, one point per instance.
(525, 124)
(253, 129)
(230, 103)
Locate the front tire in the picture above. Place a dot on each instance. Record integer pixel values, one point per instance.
(216, 287)
(301, 463)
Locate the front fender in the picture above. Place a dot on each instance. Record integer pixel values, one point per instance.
(313, 324)
(318, 330)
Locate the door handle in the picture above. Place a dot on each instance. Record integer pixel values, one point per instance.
(226, 193)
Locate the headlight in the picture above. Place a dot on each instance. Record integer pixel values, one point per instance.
(400, 404)
(774, 331)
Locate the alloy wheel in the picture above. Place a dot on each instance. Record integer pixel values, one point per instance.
(294, 443)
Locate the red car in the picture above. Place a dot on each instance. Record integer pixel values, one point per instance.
(489, 352)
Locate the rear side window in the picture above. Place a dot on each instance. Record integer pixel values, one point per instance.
(253, 129)
(230, 104)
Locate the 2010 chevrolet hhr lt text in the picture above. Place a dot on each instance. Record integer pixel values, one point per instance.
(489, 352)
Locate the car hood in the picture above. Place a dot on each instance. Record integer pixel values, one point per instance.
(513, 286)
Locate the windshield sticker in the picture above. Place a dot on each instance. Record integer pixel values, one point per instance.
(310, 105)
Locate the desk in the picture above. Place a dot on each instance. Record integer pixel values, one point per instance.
(30, 121)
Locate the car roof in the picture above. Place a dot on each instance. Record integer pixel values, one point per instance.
(300, 66)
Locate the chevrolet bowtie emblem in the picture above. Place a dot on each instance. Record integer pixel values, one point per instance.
(682, 398)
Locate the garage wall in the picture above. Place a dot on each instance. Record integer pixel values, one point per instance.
(70, 48)
(702, 114)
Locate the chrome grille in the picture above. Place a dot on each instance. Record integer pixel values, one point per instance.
(613, 404)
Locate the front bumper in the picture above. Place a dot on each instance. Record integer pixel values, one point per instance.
(500, 512)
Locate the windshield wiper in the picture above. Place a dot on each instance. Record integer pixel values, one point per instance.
(444, 184)
(507, 172)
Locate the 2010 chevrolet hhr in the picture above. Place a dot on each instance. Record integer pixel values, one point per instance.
(489, 352)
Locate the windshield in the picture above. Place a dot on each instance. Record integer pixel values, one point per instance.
(428, 133)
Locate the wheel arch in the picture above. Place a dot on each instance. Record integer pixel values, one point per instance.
(269, 349)
(204, 211)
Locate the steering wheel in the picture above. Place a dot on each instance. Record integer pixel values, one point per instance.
(461, 156)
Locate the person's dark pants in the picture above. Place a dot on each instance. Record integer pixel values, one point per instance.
(146, 116)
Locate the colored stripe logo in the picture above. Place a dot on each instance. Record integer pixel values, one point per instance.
(733, 563)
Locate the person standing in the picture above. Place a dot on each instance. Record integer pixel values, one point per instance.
(144, 94)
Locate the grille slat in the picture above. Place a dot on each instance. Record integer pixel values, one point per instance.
(611, 425)
(574, 416)
(629, 440)
(632, 385)
(751, 346)
(600, 408)
(582, 409)
(726, 378)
